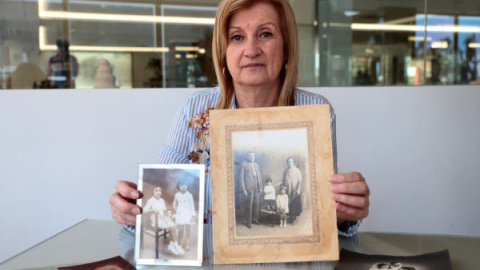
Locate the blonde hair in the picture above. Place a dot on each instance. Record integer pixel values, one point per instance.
(288, 26)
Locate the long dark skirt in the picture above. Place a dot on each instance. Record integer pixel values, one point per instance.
(295, 206)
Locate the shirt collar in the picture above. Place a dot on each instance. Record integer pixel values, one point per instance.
(233, 104)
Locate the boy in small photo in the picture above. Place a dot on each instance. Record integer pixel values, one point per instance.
(282, 206)
(157, 205)
(269, 198)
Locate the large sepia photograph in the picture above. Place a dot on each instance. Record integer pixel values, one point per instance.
(170, 229)
(272, 190)
(270, 169)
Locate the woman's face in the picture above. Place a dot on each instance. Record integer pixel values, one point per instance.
(255, 54)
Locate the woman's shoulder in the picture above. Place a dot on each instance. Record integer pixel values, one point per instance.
(207, 96)
(200, 101)
(303, 97)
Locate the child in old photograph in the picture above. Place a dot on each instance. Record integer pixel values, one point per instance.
(185, 214)
(282, 206)
(156, 204)
(269, 198)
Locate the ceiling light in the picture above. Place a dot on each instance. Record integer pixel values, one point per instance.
(411, 28)
(351, 13)
(46, 14)
(48, 47)
(439, 45)
(413, 38)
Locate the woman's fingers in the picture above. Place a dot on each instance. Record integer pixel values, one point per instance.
(351, 194)
(123, 203)
(126, 189)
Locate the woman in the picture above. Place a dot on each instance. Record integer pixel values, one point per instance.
(292, 181)
(255, 48)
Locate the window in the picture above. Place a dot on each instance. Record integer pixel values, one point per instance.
(167, 44)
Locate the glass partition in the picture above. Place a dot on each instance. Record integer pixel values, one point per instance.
(166, 44)
(391, 42)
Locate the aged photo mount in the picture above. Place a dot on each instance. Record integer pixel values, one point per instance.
(170, 229)
(270, 169)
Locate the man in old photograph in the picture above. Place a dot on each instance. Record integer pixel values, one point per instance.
(250, 183)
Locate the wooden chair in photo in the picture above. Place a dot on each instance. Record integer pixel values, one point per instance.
(152, 230)
(269, 216)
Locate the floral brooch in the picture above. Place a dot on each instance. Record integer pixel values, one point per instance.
(200, 152)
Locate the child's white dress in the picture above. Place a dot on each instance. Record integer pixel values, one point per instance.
(185, 207)
(282, 203)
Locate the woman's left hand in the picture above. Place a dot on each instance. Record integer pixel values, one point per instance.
(351, 194)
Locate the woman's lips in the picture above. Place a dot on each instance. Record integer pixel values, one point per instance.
(253, 65)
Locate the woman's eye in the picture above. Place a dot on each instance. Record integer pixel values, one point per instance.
(236, 38)
(266, 35)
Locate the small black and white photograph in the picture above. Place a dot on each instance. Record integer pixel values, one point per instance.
(350, 260)
(170, 229)
(272, 189)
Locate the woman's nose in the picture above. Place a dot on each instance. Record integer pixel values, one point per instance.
(252, 48)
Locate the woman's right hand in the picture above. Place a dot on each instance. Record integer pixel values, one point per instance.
(123, 203)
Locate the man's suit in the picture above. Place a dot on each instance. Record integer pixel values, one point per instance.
(251, 182)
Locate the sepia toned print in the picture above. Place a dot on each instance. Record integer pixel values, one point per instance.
(114, 263)
(270, 169)
(439, 260)
(261, 174)
(170, 228)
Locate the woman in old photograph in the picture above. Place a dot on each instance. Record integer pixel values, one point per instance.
(292, 180)
(255, 50)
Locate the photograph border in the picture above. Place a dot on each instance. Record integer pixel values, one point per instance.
(322, 244)
(201, 198)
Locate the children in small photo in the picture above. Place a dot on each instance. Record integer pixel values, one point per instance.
(157, 205)
(282, 206)
(185, 214)
(269, 198)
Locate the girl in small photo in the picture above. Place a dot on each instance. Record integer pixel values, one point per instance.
(157, 205)
(185, 213)
(282, 206)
